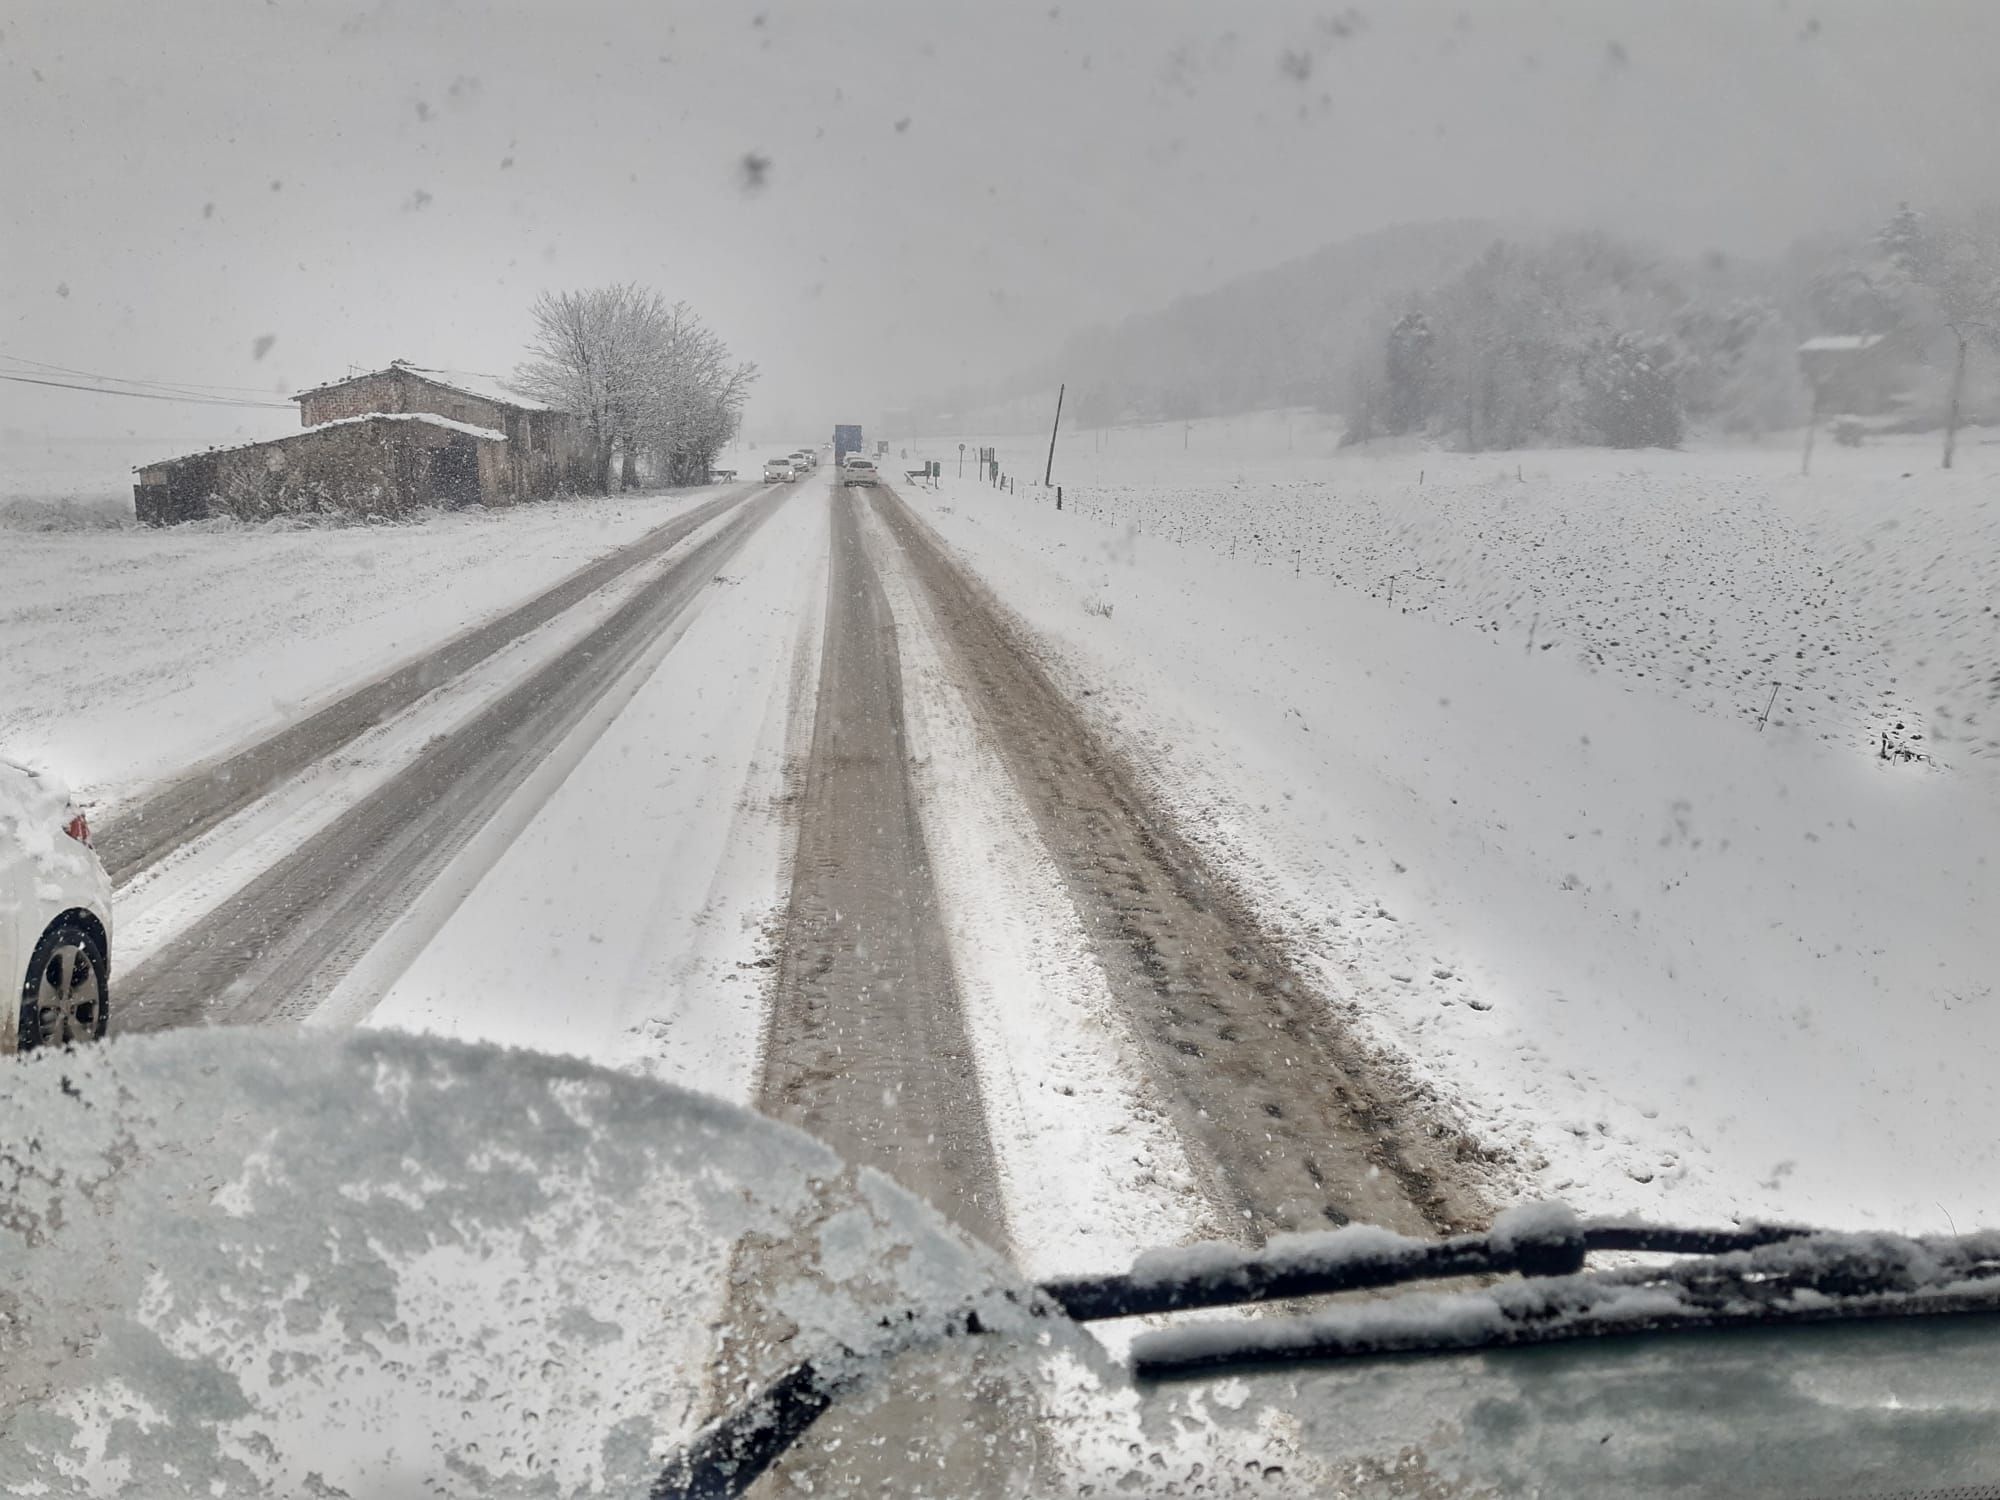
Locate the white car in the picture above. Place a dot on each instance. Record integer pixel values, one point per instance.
(778, 470)
(55, 917)
(805, 460)
(858, 470)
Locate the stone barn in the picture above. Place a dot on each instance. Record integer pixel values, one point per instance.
(381, 444)
(1853, 374)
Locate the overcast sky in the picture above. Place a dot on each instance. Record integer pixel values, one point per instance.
(952, 187)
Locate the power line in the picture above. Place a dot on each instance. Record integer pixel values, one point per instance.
(165, 385)
(137, 381)
(103, 390)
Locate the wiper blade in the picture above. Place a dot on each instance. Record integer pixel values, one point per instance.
(1801, 1278)
(1544, 1239)
(1760, 1274)
(731, 1453)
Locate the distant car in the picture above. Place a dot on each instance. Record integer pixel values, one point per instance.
(805, 460)
(777, 470)
(55, 917)
(721, 476)
(859, 470)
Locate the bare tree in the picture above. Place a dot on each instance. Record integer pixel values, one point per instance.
(698, 397)
(569, 367)
(646, 378)
(1954, 266)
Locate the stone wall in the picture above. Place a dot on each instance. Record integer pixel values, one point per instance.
(544, 453)
(402, 390)
(383, 469)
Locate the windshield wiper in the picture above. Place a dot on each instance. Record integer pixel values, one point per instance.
(1539, 1240)
(1761, 1274)
(1775, 1280)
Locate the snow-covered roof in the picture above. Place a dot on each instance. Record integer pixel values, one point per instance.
(431, 419)
(1840, 343)
(486, 387)
(465, 382)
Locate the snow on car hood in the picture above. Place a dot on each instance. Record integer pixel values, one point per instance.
(257, 1263)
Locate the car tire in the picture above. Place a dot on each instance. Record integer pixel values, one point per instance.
(66, 993)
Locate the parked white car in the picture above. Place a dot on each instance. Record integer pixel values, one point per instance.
(778, 470)
(858, 470)
(55, 917)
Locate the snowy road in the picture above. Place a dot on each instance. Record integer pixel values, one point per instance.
(780, 803)
(283, 941)
(187, 807)
(866, 1047)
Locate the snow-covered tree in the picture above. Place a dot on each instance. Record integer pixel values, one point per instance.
(1408, 374)
(1951, 267)
(1629, 393)
(645, 377)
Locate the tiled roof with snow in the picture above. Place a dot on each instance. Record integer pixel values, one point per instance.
(465, 382)
(1840, 343)
(486, 387)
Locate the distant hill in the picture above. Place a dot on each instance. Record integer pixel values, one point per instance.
(1503, 339)
(1279, 337)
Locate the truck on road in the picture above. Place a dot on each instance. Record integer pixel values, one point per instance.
(846, 440)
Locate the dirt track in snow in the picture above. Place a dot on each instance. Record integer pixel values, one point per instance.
(1284, 1117)
(865, 1044)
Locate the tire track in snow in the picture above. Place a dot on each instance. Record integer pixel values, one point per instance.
(1273, 1099)
(1092, 1169)
(282, 942)
(185, 884)
(865, 1046)
(184, 809)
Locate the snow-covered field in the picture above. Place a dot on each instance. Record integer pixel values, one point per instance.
(1674, 964)
(131, 654)
(54, 482)
(1865, 594)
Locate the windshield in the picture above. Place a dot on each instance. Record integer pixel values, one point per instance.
(1385, 612)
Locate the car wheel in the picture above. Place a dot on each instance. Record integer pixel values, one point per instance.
(66, 997)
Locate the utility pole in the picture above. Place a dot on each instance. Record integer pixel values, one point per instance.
(1050, 467)
(961, 460)
(1812, 424)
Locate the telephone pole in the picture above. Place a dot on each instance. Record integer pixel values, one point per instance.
(1050, 467)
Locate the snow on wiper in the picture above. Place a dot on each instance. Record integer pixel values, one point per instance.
(1784, 1276)
(1762, 1274)
(1540, 1239)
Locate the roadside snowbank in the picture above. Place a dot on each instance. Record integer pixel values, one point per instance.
(130, 655)
(1676, 965)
